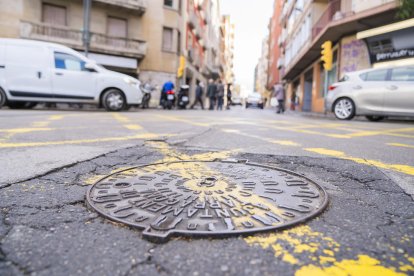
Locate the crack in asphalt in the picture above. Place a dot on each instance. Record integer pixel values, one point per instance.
(2, 186)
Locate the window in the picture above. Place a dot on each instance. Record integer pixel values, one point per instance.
(167, 39)
(344, 78)
(55, 15)
(169, 3)
(402, 74)
(117, 27)
(68, 62)
(378, 75)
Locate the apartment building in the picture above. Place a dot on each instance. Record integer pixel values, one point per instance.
(116, 28)
(307, 24)
(263, 71)
(229, 35)
(275, 54)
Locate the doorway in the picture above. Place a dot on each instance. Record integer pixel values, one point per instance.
(307, 97)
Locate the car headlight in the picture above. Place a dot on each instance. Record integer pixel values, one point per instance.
(131, 81)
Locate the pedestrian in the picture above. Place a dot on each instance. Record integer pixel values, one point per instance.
(220, 95)
(228, 95)
(212, 93)
(280, 96)
(199, 95)
(168, 86)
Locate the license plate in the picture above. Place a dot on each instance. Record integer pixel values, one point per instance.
(185, 99)
(170, 97)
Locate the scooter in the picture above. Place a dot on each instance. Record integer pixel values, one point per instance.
(183, 99)
(146, 98)
(169, 101)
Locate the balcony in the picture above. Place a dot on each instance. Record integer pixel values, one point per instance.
(100, 43)
(326, 18)
(136, 5)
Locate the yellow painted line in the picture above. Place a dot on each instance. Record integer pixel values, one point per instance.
(381, 132)
(24, 130)
(40, 124)
(269, 140)
(82, 141)
(56, 117)
(363, 266)
(120, 118)
(401, 145)
(180, 119)
(133, 127)
(399, 135)
(339, 154)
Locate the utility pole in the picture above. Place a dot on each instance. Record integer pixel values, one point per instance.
(86, 37)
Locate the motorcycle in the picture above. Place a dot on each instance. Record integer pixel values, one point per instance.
(183, 99)
(169, 100)
(146, 98)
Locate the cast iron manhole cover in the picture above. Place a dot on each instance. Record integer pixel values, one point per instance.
(199, 198)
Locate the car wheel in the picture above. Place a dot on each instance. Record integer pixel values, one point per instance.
(344, 109)
(3, 98)
(21, 105)
(375, 118)
(113, 100)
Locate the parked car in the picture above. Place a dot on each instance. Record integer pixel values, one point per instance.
(255, 99)
(374, 93)
(236, 100)
(34, 71)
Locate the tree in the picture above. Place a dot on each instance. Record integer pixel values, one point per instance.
(406, 10)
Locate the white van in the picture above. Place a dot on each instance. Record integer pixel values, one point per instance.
(34, 71)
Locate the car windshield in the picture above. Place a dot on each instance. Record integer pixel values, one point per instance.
(255, 95)
(344, 78)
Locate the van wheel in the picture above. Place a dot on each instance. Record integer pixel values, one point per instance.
(113, 100)
(344, 109)
(375, 118)
(3, 98)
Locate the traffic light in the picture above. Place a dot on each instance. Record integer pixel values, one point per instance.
(180, 71)
(327, 55)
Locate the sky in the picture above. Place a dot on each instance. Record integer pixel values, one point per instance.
(251, 18)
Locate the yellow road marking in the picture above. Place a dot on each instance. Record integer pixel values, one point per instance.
(363, 266)
(401, 145)
(24, 130)
(120, 118)
(180, 119)
(339, 154)
(126, 122)
(40, 124)
(133, 127)
(82, 141)
(381, 132)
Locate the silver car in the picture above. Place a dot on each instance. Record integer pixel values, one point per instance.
(374, 93)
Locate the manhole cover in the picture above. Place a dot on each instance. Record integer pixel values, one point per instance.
(217, 198)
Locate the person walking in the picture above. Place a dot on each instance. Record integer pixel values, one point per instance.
(220, 95)
(280, 96)
(199, 95)
(212, 93)
(228, 96)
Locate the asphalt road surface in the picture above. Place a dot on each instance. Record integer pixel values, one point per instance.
(49, 159)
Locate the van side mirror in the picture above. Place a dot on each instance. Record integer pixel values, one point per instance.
(90, 67)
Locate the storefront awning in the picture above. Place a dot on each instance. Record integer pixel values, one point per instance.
(386, 29)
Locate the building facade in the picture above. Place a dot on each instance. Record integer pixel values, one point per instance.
(263, 71)
(116, 29)
(147, 39)
(275, 57)
(307, 24)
